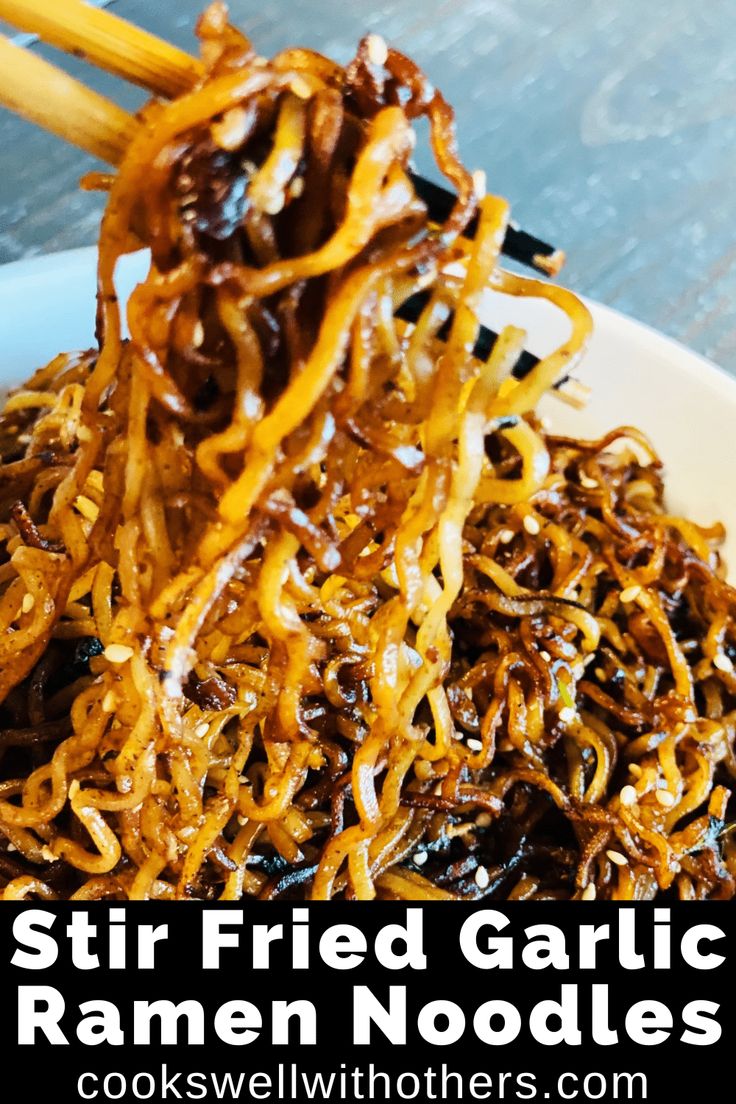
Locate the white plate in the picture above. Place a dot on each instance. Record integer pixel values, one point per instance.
(684, 403)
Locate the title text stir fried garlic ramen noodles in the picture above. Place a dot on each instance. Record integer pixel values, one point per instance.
(298, 599)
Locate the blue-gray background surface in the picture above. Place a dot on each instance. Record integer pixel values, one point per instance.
(610, 124)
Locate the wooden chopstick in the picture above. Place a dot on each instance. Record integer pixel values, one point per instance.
(49, 97)
(108, 41)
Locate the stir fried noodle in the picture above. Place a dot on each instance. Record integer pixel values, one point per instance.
(299, 599)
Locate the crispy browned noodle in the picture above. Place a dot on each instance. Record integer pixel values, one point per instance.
(295, 599)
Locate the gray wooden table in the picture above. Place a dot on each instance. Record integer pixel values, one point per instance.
(611, 126)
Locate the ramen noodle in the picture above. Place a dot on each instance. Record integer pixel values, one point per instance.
(301, 600)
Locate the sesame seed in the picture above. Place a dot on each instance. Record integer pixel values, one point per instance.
(630, 593)
(11, 847)
(628, 795)
(588, 483)
(201, 730)
(617, 858)
(589, 893)
(28, 603)
(296, 188)
(600, 674)
(636, 770)
(273, 204)
(665, 798)
(48, 854)
(482, 878)
(231, 130)
(420, 858)
(118, 653)
(377, 49)
(506, 536)
(479, 183)
(108, 702)
(589, 659)
(242, 820)
(73, 789)
(301, 88)
(567, 715)
(475, 745)
(483, 820)
(723, 663)
(531, 525)
(546, 656)
(197, 334)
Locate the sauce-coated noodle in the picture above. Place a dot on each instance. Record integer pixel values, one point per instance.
(297, 599)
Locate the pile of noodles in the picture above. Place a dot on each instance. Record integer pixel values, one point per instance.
(296, 598)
